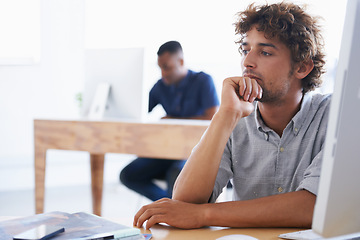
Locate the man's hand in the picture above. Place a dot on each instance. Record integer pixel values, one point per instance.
(175, 213)
(238, 94)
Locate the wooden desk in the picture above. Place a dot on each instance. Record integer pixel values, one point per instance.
(163, 232)
(166, 139)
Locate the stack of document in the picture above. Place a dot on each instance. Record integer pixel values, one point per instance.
(80, 225)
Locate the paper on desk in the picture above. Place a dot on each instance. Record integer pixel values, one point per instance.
(77, 225)
(303, 235)
(310, 235)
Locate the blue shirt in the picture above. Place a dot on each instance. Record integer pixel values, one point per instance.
(261, 163)
(189, 98)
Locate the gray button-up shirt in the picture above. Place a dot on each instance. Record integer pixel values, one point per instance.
(260, 163)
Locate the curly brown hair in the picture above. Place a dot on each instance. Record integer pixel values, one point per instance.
(292, 26)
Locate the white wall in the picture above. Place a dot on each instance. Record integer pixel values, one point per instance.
(204, 27)
(46, 89)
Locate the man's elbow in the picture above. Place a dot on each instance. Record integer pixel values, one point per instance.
(189, 196)
(307, 209)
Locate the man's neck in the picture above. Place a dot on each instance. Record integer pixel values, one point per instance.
(182, 76)
(277, 115)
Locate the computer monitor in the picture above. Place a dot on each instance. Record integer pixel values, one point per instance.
(337, 209)
(122, 69)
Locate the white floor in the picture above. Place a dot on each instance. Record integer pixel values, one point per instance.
(68, 187)
(118, 202)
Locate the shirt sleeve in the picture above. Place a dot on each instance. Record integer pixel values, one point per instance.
(312, 175)
(224, 174)
(208, 94)
(152, 99)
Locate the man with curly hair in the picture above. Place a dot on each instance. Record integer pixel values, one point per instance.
(267, 136)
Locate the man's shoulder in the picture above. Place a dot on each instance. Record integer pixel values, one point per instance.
(159, 83)
(199, 76)
(157, 88)
(319, 100)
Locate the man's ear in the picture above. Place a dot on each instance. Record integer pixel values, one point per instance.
(304, 69)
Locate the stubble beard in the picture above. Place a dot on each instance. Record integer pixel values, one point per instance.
(276, 96)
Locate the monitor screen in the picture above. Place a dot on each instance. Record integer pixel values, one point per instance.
(337, 209)
(114, 79)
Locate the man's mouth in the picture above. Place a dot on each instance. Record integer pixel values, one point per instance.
(252, 77)
(251, 74)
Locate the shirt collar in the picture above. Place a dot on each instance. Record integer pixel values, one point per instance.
(183, 82)
(258, 120)
(299, 118)
(297, 121)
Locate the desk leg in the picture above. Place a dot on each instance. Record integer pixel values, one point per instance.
(97, 179)
(40, 164)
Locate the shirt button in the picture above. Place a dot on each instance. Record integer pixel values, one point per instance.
(266, 135)
(296, 129)
(282, 149)
(280, 189)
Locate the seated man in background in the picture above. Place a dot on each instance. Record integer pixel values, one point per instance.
(267, 136)
(183, 94)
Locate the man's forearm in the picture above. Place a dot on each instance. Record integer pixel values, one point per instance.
(196, 180)
(293, 209)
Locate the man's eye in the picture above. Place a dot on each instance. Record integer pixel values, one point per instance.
(266, 53)
(243, 51)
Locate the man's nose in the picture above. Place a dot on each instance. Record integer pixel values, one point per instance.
(249, 60)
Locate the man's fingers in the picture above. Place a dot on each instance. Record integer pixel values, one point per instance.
(139, 220)
(137, 215)
(256, 91)
(142, 215)
(242, 86)
(248, 88)
(149, 211)
(142, 218)
(159, 218)
(162, 200)
(259, 96)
